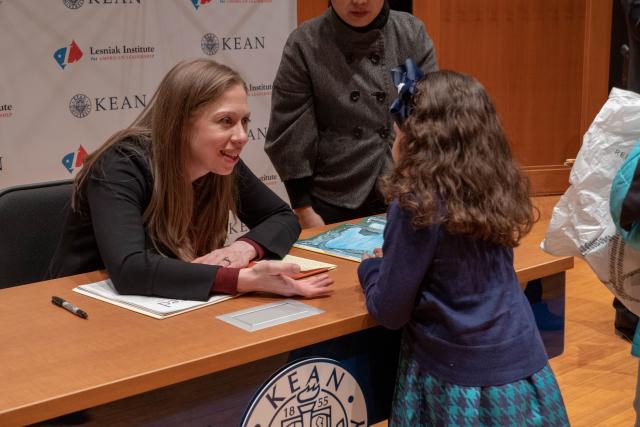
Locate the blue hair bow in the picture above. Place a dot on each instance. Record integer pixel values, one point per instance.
(405, 77)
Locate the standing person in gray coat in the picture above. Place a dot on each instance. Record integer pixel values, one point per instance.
(330, 132)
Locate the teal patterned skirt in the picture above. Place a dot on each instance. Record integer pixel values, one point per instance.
(421, 399)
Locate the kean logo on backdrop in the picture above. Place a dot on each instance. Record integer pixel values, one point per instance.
(81, 105)
(74, 160)
(308, 393)
(77, 4)
(211, 44)
(257, 133)
(6, 110)
(68, 54)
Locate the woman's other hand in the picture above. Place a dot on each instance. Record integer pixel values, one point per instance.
(238, 255)
(271, 276)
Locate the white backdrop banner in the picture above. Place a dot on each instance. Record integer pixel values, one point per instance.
(75, 71)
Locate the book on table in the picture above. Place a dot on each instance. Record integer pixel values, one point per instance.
(349, 241)
(161, 308)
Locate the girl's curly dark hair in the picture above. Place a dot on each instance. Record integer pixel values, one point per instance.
(455, 166)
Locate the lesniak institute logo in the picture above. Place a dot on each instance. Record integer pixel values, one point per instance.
(74, 160)
(308, 393)
(67, 54)
(269, 180)
(210, 43)
(260, 89)
(77, 4)
(121, 52)
(81, 105)
(6, 110)
(198, 3)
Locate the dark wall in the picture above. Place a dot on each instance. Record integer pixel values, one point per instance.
(618, 61)
(403, 5)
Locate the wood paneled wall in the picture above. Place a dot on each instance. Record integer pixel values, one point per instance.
(544, 62)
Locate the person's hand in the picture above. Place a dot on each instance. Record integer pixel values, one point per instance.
(377, 253)
(271, 276)
(308, 218)
(238, 255)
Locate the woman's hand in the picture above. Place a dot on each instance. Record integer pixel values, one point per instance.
(238, 255)
(271, 276)
(377, 253)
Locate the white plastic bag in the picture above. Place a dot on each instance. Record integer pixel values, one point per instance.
(581, 224)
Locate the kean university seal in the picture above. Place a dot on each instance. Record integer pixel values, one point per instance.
(311, 392)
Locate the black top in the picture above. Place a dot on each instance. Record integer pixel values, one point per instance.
(107, 229)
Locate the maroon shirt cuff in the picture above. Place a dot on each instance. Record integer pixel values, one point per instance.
(226, 281)
(256, 246)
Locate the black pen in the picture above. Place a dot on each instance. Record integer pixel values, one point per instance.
(69, 307)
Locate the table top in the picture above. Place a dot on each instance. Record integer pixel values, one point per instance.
(53, 362)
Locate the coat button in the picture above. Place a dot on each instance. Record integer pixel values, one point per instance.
(380, 96)
(357, 132)
(383, 132)
(374, 58)
(355, 95)
(348, 57)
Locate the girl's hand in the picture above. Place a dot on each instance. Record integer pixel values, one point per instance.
(238, 255)
(271, 276)
(377, 253)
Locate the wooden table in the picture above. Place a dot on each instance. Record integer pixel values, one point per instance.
(54, 363)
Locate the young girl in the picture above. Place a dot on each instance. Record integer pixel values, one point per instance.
(471, 353)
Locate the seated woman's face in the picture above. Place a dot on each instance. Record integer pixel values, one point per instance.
(218, 134)
(357, 13)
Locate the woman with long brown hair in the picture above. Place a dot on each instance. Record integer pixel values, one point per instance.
(471, 352)
(152, 204)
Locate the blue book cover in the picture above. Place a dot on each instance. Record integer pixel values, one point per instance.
(348, 241)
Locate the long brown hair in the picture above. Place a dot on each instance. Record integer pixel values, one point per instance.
(190, 219)
(455, 166)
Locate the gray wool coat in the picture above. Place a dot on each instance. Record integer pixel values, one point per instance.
(330, 119)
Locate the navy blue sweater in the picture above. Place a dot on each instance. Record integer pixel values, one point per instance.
(468, 321)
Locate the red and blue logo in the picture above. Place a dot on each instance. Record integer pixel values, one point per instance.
(67, 55)
(74, 160)
(198, 3)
